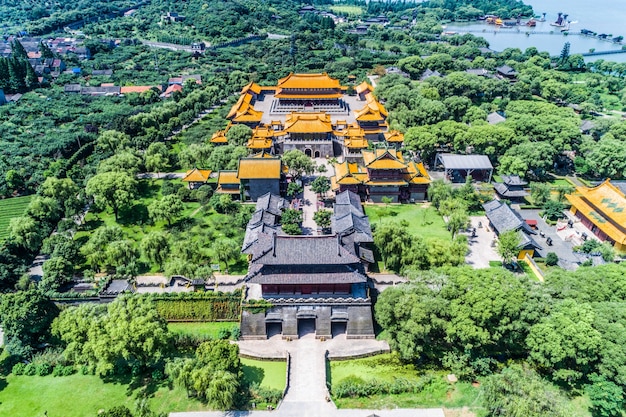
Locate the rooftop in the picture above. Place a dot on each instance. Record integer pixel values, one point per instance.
(300, 81)
(259, 168)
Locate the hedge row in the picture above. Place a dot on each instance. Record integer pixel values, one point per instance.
(356, 387)
(218, 307)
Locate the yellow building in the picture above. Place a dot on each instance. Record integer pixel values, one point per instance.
(197, 177)
(603, 210)
(228, 183)
(219, 138)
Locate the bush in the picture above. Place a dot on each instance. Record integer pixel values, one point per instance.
(63, 370)
(30, 370)
(43, 369)
(552, 259)
(223, 334)
(170, 187)
(235, 333)
(18, 368)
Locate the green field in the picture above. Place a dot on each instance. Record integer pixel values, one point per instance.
(207, 329)
(346, 9)
(439, 393)
(81, 396)
(423, 221)
(10, 208)
(269, 374)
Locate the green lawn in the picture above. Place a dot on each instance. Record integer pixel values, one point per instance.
(347, 10)
(270, 374)
(80, 396)
(206, 329)
(10, 208)
(423, 221)
(439, 393)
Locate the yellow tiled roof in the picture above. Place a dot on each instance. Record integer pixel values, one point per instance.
(605, 206)
(356, 143)
(263, 132)
(259, 168)
(262, 154)
(241, 103)
(197, 175)
(259, 143)
(243, 111)
(373, 110)
(364, 86)
(308, 123)
(353, 131)
(394, 136)
(252, 86)
(383, 159)
(386, 183)
(309, 81)
(219, 137)
(347, 173)
(227, 177)
(307, 96)
(417, 174)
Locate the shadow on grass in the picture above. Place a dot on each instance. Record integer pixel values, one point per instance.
(137, 214)
(253, 374)
(91, 225)
(3, 384)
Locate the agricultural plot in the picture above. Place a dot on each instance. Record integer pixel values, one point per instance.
(10, 208)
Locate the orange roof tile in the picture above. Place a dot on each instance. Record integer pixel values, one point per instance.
(259, 143)
(356, 143)
(259, 168)
(347, 173)
(137, 89)
(386, 183)
(322, 81)
(227, 178)
(263, 132)
(219, 137)
(605, 206)
(307, 96)
(197, 175)
(242, 104)
(383, 159)
(171, 89)
(417, 174)
(262, 154)
(364, 86)
(252, 86)
(308, 123)
(394, 136)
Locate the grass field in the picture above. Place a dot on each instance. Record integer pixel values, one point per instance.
(347, 10)
(386, 367)
(270, 374)
(208, 329)
(10, 208)
(80, 396)
(423, 221)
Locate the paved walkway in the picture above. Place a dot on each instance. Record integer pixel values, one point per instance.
(481, 250)
(309, 227)
(307, 395)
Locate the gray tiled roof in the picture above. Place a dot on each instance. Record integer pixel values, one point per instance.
(504, 191)
(359, 224)
(453, 161)
(495, 118)
(341, 274)
(301, 250)
(252, 235)
(272, 203)
(349, 197)
(503, 218)
(513, 180)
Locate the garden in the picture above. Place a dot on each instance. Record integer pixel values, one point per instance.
(10, 208)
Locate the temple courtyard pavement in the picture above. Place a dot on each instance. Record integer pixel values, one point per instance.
(307, 394)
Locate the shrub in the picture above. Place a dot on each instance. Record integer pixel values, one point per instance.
(552, 259)
(43, 369)
(30, 370)
(18, 368)
(223, 334)
(158, 375)
(64, 370)
(235, 333)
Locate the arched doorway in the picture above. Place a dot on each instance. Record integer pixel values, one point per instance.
(317, 154)
(307, 152)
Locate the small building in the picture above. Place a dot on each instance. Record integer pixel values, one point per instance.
(511, 188)
(196, 178)
(602, 210)
(494, 118)
(394, 138)
(171, 17)
(219, 138)
(105, 72)
(259, 176)
(228, 183)
(459, 167)
(503, 218)
(586, 126)
(429, 73)
(363, 89)
(507, 72)
(309, 132)
(481, 72)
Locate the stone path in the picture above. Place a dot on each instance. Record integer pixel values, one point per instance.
(307, 395)
(309, 227)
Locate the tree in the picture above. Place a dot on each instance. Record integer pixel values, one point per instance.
(552, 259)
(239, 135)
(95, 248)
(112, 141)
(393, 241)
(607, 399)
(507, 247)
(565, 343)
(56, 272)
(156, 247)
(298, 163)
(157, 157)
(320, 185)
(293, 189)
(25, 317)
(539, 192)
(26, 233)
(458, 220)
(226, 250)
(124, 161)
(45, 209)
(168, 208)
(115, 189)
(553, 210)
(322, 218)
(439, 191)
(63, 190)
(517, 391)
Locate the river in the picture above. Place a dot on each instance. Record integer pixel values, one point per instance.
(600, 16)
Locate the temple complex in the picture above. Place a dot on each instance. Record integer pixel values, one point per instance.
(383, 173)
(312, 113)
(602, 210)
(314, 281)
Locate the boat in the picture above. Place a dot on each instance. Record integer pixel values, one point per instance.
(543, 17)
(531, 23)
(498, 22)
(561, 21)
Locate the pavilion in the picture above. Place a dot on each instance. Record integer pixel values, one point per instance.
(602, 209)
(459, 167)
